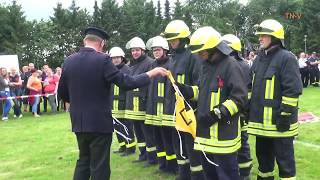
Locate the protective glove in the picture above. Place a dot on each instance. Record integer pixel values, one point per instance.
(186, 90)
(206, 119)
(283, 123)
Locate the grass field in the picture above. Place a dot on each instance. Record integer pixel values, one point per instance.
(45, 148)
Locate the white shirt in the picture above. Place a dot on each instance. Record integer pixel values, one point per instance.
(7, 87)
(302, 62)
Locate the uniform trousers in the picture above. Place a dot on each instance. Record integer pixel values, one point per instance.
(269, 150)
(227, 169)
(94, 156)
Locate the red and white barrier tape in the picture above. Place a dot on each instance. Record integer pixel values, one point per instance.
(25, 96)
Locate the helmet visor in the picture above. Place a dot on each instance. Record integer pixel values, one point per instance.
(170, 35)
(260, 29)
(194, 48)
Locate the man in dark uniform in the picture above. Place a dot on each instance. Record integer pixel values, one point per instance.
(244, 157)
(126, 139)
(314, 70)
(162, 134)
(221, 96)
(85, 83)
(136, 102)
(184, 67)
(273, 113)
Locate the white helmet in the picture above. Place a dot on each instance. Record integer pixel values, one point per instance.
(116, 52)
(136, 42)
(157, 41)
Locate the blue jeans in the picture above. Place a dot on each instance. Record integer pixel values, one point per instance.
(7, 103)
(35, 104)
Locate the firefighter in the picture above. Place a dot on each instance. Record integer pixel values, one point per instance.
(136, 101)
(222, 94)
(276, 87)
(185, 70)
(155, 105)
(244, 157)
(125, 127)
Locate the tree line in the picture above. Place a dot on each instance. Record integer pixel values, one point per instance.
(50, 41)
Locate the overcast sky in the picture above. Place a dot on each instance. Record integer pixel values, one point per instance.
(43, 9)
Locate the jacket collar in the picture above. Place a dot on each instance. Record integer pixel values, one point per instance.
(140, 59)
(271, 50)
(119, 66)
(216, 57)
(87, 49)
(162, 60)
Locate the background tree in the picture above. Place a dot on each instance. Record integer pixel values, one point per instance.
(50, 41)
(167, 13)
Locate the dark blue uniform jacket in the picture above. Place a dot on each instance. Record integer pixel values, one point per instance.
(85, 83)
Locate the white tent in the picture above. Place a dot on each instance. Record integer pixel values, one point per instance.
(9, 62)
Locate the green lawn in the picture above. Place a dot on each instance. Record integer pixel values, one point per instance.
(45, 148)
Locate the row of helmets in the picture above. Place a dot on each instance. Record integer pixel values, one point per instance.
(136, 42)
(202, 39)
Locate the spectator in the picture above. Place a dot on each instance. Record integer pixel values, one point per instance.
(50, 87)
(15, 90)
(4, 93)
(31, 66)
(251, 58)
(65, 105)
(35, 88)
(43, 77)
(58, 71)
(303, 67)
(314, 70)
(24, 77)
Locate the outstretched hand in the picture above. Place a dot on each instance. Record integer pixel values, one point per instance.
(158, 71)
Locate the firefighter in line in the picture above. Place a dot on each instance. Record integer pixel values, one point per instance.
(185, 70)
(244, 157)
(276, 87)
(136, 101)
(127, 146)
(222, 95)
(155, 105)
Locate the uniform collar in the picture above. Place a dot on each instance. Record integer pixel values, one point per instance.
(87, 49)
(217, 57)
(119, 66)
(271, 50)
(140, 59)
(162, 60)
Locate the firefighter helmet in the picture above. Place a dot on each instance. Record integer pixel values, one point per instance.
(207, 38)
(116, 52)
(157, 41)
(136, 42)
(271, 27)
(232, 41)
(176, 29)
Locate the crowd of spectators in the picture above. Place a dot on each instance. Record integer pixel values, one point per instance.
(38, 85)
(309, 66)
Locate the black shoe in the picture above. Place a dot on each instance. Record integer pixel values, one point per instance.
(182, 178)
(167, 171)
(150, 163)
(120, 150)
(172, 171)
(244, 177)
(128, 152)
(140, 159)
